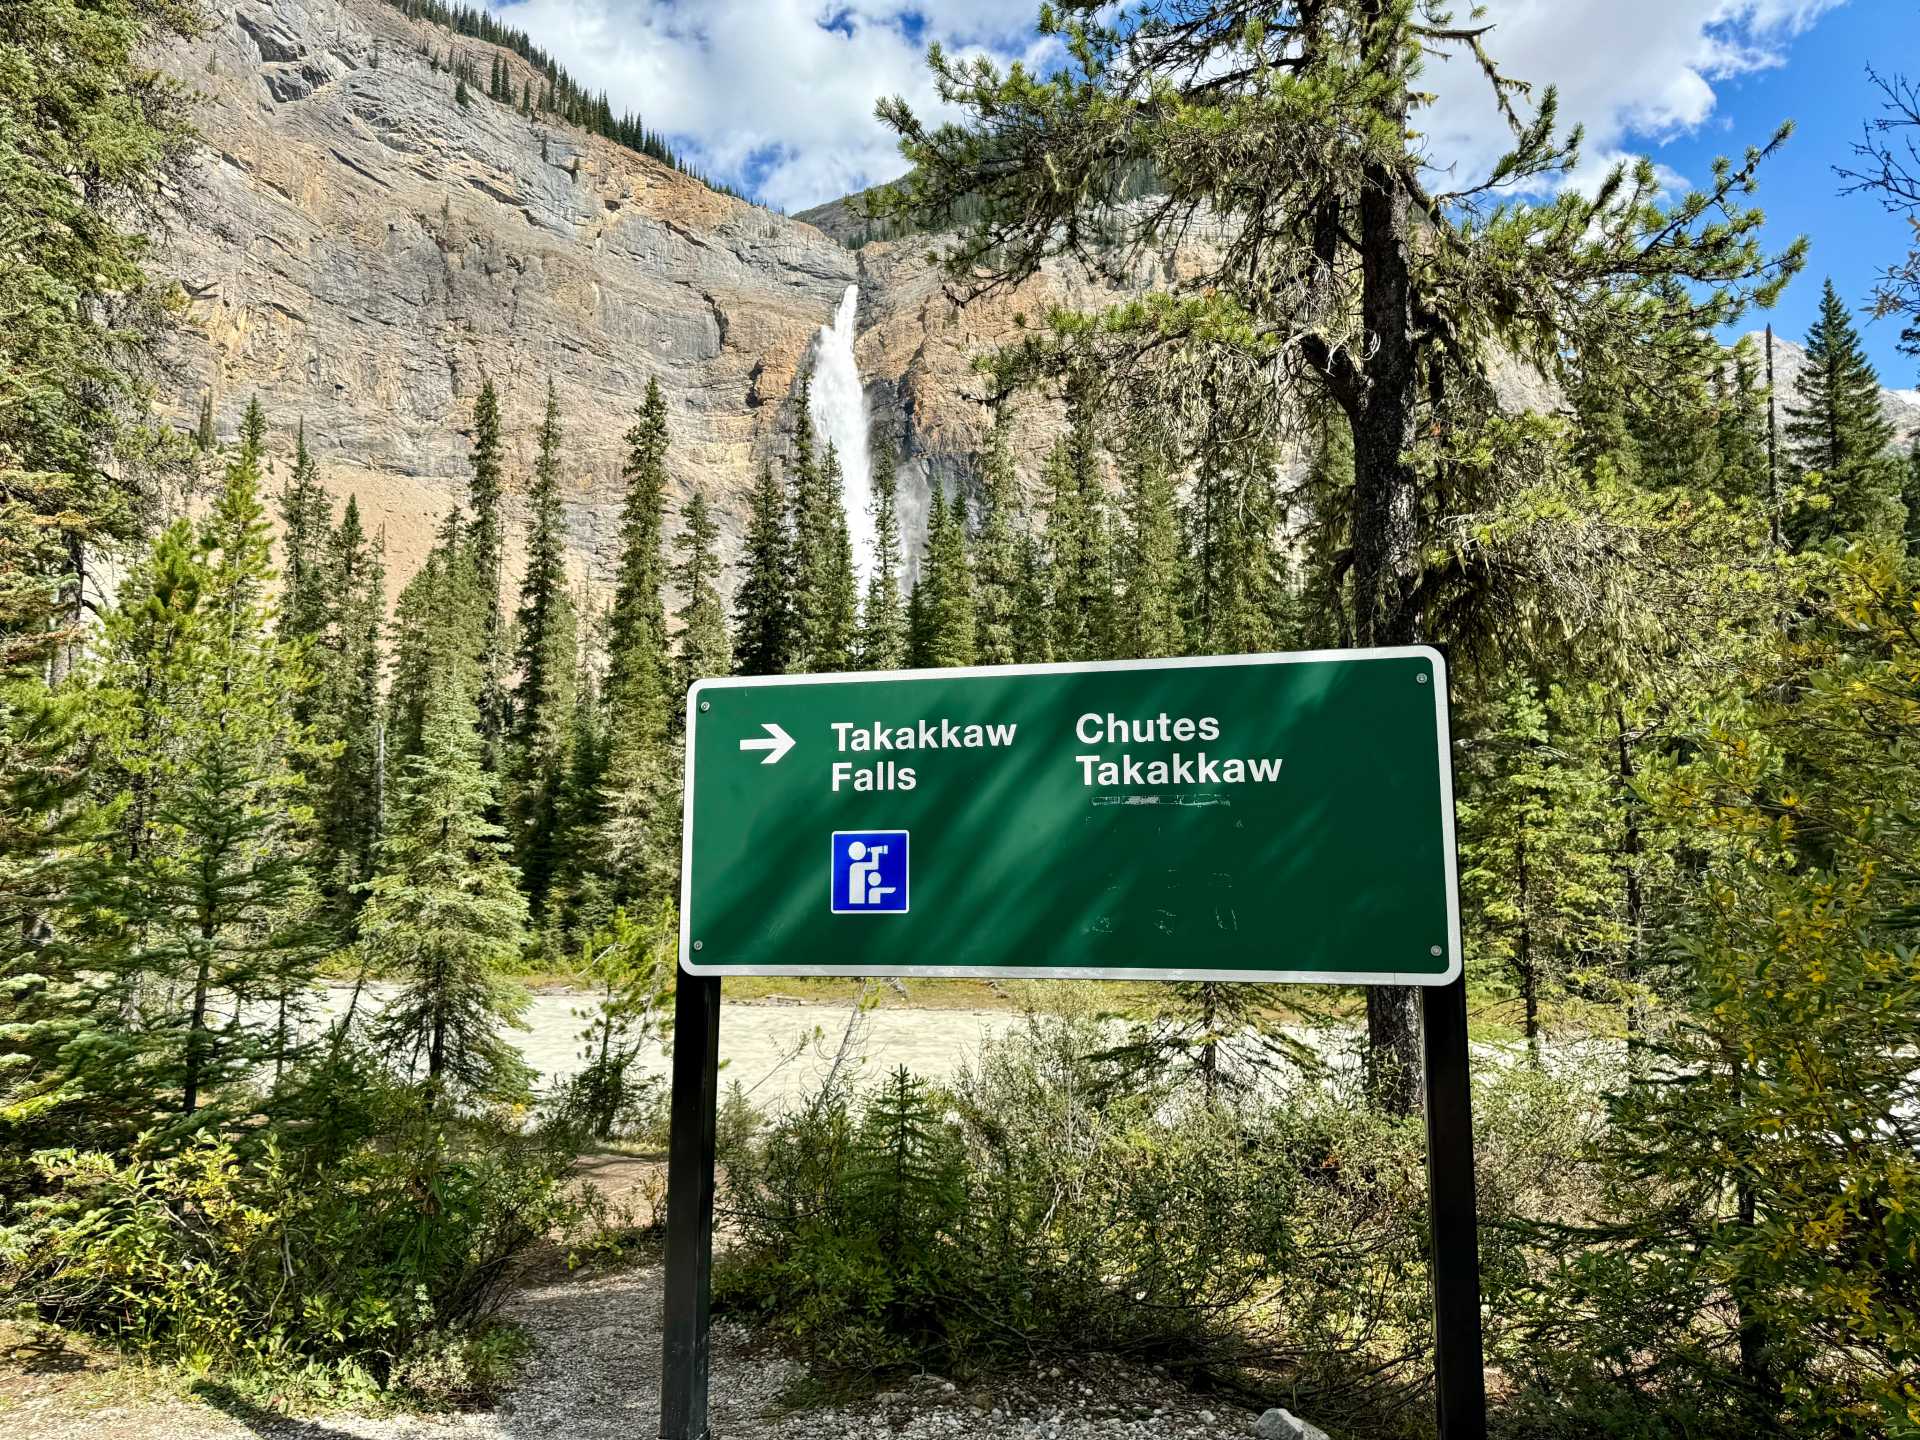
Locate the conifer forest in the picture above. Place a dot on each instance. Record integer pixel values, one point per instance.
(300, 826)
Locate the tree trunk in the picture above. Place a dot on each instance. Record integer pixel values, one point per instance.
(1523, 958)
(197, 1024)
(1383, 534)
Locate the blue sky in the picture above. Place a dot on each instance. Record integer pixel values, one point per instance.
(776, 96)
(1822, 87)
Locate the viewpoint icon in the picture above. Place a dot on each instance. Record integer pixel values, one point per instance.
(869, 872)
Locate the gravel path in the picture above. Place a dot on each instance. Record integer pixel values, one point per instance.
(595, 1375)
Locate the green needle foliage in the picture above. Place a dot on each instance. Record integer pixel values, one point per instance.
(444, 913)
(883, 619)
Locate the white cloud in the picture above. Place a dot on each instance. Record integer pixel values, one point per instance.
(1630, 71)
(777, 95)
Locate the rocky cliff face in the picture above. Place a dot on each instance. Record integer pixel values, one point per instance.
(360, 251)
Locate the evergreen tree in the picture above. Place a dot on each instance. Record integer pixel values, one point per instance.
(639, 612)
(306, 523)
(637, 805)
(764, 629)
(348, 708)
(486, 542)
(1150, 610)
(1032, 625)
(831, 642)
(460, 90)
(543, 701)
(943, 630)
(207, 881)
(1537, 860)
(203, 437)
(1910, 497)
(1839, 440)
(445, 915)
(883, 620)
(580, 881)
(996, 560)
(1080, 576)
(704, 648)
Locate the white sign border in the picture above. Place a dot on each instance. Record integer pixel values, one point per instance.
(1442, 729)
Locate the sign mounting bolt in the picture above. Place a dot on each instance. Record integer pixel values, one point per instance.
(701, 945)
(706, 705)
(1421, 677)
(1431, 949)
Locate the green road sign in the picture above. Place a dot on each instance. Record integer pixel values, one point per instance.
(1265, 817)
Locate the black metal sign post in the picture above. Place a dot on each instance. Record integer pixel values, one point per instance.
(696, 1071)
(1459, 1368)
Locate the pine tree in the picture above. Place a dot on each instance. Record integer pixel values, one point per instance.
(637, 805)
(207, 879)
(883, 620)
(203, 436)
(639, 613)
(543, 699)
(306, 522)
(580, 883)
(1080, 577)
(1837, 436)
(445, 915)
(1032, 626)
(835, 633)
(486, 542)
(764, 638)
(1538, 872)
(704, 648)
(1151, 624)
(1740, 429)
(1910, 497)
(943, 630)
(996, 559)
(349, 786)
(460, 90)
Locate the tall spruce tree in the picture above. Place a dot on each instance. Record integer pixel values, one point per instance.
(1539, 874)
(1080, 580)
(883, 619)
(306, 525)
(543, 700)
(1032, 626)
(638, 806)
(1151, 624)
(445, 915)
(349, 716)
(638, 608)
(943, 620)
(1840, 442)
(996, 560)
(485, 537)
(704, 648)
(834, 638)
(207, 880)
(764, 628)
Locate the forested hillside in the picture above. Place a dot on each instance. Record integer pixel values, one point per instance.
(351, 648)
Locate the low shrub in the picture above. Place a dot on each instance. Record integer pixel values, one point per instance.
(380, 1257)
(1275, 1245)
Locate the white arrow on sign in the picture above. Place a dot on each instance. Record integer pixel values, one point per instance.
(777, 743)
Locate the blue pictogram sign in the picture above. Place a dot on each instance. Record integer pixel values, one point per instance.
(869, 872)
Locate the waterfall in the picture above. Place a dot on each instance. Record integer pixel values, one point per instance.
(839, 413)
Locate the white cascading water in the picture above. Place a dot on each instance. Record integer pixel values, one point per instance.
(839, 412)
